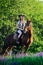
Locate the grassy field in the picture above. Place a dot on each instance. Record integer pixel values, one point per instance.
(26, 60)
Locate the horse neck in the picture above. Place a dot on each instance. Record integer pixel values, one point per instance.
(26, 35)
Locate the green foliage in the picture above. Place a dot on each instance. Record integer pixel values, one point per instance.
(9, 11)
(23, 61)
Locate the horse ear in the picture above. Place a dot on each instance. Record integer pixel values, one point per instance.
(29, 20)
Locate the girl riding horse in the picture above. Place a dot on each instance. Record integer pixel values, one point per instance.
(20, 27)
(26, 40)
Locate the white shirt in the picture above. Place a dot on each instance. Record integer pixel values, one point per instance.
(21, 25)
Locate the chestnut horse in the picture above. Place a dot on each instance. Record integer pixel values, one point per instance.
(25, 40)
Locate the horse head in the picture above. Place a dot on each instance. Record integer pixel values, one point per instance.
(27, 27)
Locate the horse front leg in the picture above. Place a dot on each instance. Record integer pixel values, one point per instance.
(9, 50)
(26, 49)
(27, 46)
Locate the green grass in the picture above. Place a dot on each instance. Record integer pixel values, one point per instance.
(23, 61)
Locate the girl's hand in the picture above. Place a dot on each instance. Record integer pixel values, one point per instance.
(19, 28)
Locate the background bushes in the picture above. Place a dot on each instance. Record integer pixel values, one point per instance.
(33, 10)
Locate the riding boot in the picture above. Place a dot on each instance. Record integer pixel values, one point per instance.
(17, 40)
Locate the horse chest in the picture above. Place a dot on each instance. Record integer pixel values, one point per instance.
(25, 39)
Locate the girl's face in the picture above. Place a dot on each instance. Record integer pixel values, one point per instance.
(21, 17)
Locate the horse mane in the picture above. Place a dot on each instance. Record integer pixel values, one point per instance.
(30, 31)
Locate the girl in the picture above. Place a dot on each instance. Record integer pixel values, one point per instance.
(20, 25)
